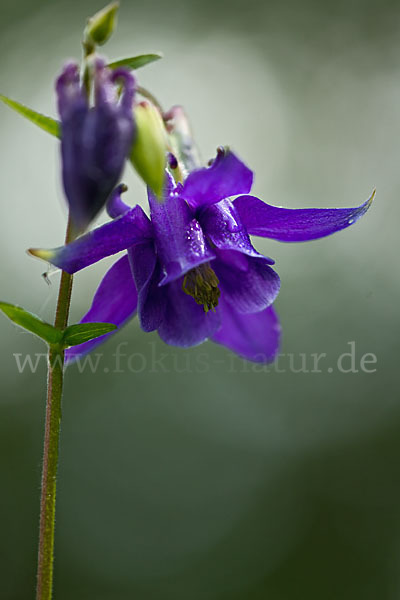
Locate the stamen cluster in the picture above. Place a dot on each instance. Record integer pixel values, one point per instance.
(202, 284)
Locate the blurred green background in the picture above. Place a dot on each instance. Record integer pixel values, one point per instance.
(200, 476)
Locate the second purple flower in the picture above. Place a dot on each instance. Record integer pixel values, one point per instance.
(95, 141)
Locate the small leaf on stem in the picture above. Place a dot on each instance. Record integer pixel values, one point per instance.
(135, 62)
(84, 332)
(46, 123)
(31, 323)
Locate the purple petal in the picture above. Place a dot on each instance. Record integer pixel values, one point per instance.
(95, 142)
(185, 323)
(132, 228)
(114, 302)
(180, 242)
(254, 336)
(222, 225)
(147, 274)
(71, 97)
(105, 93)
(227, 176)
(295, 225)
(129, 89)
(115, 206)
(246, 282)
(105, 87)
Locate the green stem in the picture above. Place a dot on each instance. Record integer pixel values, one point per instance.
(51, 442)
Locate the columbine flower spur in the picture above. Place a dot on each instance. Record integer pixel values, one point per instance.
(190, 271)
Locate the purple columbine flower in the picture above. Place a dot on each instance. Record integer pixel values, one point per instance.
(95, 141)
(190, 270)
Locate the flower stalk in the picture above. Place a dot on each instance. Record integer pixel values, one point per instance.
(52, 439)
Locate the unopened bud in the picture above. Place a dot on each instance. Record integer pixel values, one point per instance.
(148, 154)
(100, 27)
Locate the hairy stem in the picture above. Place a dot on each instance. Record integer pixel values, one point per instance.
(51, 442)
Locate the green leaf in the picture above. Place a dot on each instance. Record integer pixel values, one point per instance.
(135, 62)
(32, 323)
(46, 123)
(84, 332)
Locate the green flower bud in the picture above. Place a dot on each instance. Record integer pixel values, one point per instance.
(149, 150)
(100, 27)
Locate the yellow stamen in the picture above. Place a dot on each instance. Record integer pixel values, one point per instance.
(202, 284)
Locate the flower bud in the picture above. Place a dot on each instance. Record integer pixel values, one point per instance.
(148, 153)
(100, 27)
(96, 140)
